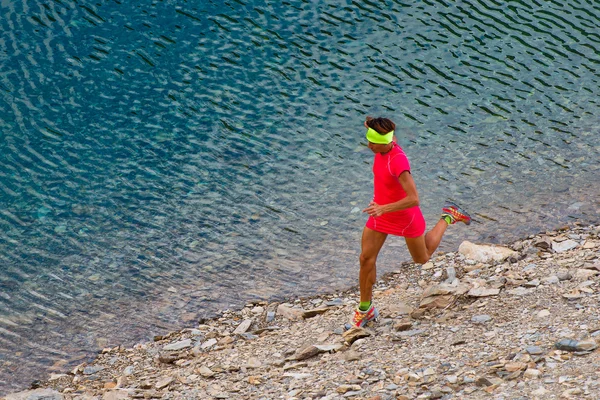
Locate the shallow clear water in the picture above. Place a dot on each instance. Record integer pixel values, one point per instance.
(162, 160)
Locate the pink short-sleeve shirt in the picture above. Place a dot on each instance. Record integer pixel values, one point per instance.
(387, 189)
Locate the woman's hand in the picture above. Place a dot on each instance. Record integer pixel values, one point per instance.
(374, 209)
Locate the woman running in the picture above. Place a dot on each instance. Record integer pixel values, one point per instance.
(394, 211)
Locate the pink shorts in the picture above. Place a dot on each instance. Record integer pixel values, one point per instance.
(408, 223)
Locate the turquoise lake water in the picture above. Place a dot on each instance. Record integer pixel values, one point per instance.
(163, 160)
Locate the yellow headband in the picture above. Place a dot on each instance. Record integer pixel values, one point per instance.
(375, 137)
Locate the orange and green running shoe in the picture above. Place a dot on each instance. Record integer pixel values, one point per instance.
(452, 213)
(361, 318)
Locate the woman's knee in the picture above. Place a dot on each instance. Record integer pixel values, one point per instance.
(367, 260)
(418, 249)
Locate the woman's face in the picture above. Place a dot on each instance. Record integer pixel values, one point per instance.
(378, 148)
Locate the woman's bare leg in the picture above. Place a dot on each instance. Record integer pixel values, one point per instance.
(422, 248)
(371, 244)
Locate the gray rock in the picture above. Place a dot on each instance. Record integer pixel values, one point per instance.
(551, 280)
(128, 370)
(576, 346)
(532, 373)
(451, 273)
(329, 347)
(567, 245)
(564, 276)
(39, 394)
(253, 362)
(279, 362)
(529, 267)
(532, 283)
(164, 382)
(412, 332)
(209, 343)
(243, 327)
(258, 310)
(481, 319)
(534, 350)
(206, 372)
(483, 292)
(335, 302)
(183, 344)
(249, 336)
(91, 370)
(518, 291)
(297, 375)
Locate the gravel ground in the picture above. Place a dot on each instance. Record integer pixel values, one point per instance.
(487, 322)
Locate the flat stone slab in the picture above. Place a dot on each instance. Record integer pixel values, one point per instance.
(567, 245)
(243, 327)
(329, 347)
(39, 394)
(314, 312)
(534, 350)
(483, 292)
(485, 253)
(209, 343)
(91, 370)
(182, 344)
(355, 333)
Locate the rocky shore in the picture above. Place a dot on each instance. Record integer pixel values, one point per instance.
(486, 322)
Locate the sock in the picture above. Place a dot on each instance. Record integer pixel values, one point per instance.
(364, 305)
(448, 219)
